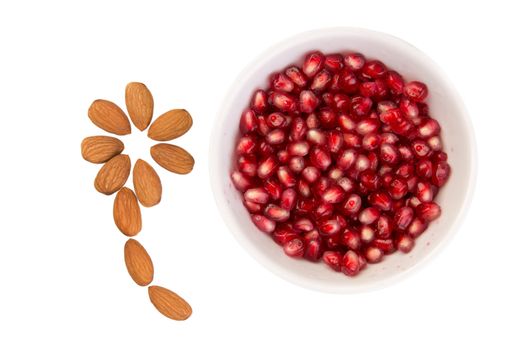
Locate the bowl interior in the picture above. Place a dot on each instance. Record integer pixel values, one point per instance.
(445, 106)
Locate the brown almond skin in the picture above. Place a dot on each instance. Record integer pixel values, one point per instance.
(170, 125)
(138, 262)
(109, 117)
(100, 149)
(172, 158)
(126, 212)
(146, 182)
(169, 303)
(139, 103)
(113, 175)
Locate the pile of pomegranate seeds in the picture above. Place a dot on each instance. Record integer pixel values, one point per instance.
(339, 160)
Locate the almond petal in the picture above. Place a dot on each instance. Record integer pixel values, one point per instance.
(170, 125)
(169, 303)
(147, 184)
(109, 117)
(100, 149)
(172, 158)
(139, 103)
(126, 212)
(113, 175)
(138, 262)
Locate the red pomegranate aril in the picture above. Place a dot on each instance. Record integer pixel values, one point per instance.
(298, 129)
(322, 185)
(439, 156)
(273, 188)
(395, 82)
(333, 260)
(352, 204)
(312, 122)
(388, 137)
(370, 180)
(305, 206)
(413, 202)
(316, 137)
(405, 170)
(346, 184)
(298, 148)
(263, 223)
(276, 137)
(411, 183)
(308, 102)
(368, 89)
(281, 82)
(441, 173)
(388, 154)
(360, 107)
(333, 62)
(417, 227)
(346, 123)
(346, 159)
(398, 188)
(275, 120)
(282, 101)
(347, 81)
(384, 106)
(350, 264)
(366, 233)
(267, 167)
(435, 143)
(265, 149)
(333, 194)
(380, 200)
(408, 108)
(296, 164)
(276, 213)
(327, 117)
(369, 215)
(288, 199)
(311, 174)
(312, 250)
(296, 76)
(334, 140)
(284, 233)
(354, 60)
(416, 91)
(351, 239)
(335, 174)
(257, 195)
(420, 148)
(428, 127)
(351, 140)
(428, 211)
(405, 153)
(248, 165)
(259, 101)
(362, 163)
(373, 255)
(283, 156)
(285, 176)
(403, 217)
(246, 145)
(241, 181)
(373, 69)
(424, 192)
(252, 207)
(262, 126)
(405, 243)
(313, 63)
(374, 160)
(320, 159)
(329, 226)
(321, 80)
(248, 122)
(367, 126)
(303, 224)
(385, 245)
(385, 226)
(294, 248)
(303, 188)
(371, 141)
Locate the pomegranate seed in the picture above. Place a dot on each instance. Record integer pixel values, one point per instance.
(329, 226)
(327, 117)
(322, 185)
(283, 156)
(388, 137)
(371, 141)
(395, 82)
(246, 145)
(398, 188)
(303, 188)
(403, 217)
(252, 207)
(334, 141)
(285, 176)
(265, 149)
(388, 154)
(374, 69)
(351, 239)
(321, 80)
(248, 122)
(333, 241)
(348, 81)
(409, 108)
(333, 260)
(385, 169)
(276, 213)
(420, 148)
(311, 174)
(366, 234)
(405, 170)
(424, 192)
(368, 88)
(305, 206)
(303, 224)
(383, 106)
(284, 234)
(367, 126)
(313, 250)
(373, 255)
(428, 211)
(416, 91)
(241, 181)
(386, 246)
(257, 195)
(429, 127)
(297, 129)
(298, 148)
(259, 101)
(441, 173)
(335, 174)
(294, 248)
(416, 228)
(369, 215)
(313, 63)
(273, 188)
(405, 152)
(275, 120)
(328, 97)
(435, 143)
(385, 226)
(320, 159)
(345, 122)
(361, 106)
(248, 165)
(333, 62)
(354, 61)
(312, 122)
(296, 76)
(267, 167)
(264, 224)
(411, 183)
(308, 102)
(386, 179)
(316, 136)
(351, 140)
(346, 159)
(346, 184)
(275, 137)
(362, 163)
(333, 194)
(374, 160)
(440, 157)
(350, 264)
(282, 101)
(370, 180)
(281, 82)
(296, 164)
(405, 243)
(288, 199)
(413, 202)
(380, 200)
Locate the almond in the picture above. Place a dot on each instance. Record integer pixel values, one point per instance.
(147, 184)
(170, 125)
(138, 262)
(126, 212)
(100, 149)
(139, 103)
(113, 175)
(172, 158)
(169, 303)
(109, 117)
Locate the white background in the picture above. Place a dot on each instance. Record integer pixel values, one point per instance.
(63, 281)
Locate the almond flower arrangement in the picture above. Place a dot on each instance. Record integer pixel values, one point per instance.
(147, 186)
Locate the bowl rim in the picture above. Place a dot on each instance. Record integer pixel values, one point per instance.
(227, 215)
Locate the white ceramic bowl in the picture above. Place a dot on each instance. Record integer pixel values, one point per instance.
(445, 105)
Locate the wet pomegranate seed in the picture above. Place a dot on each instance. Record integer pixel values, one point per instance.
(340, 159)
